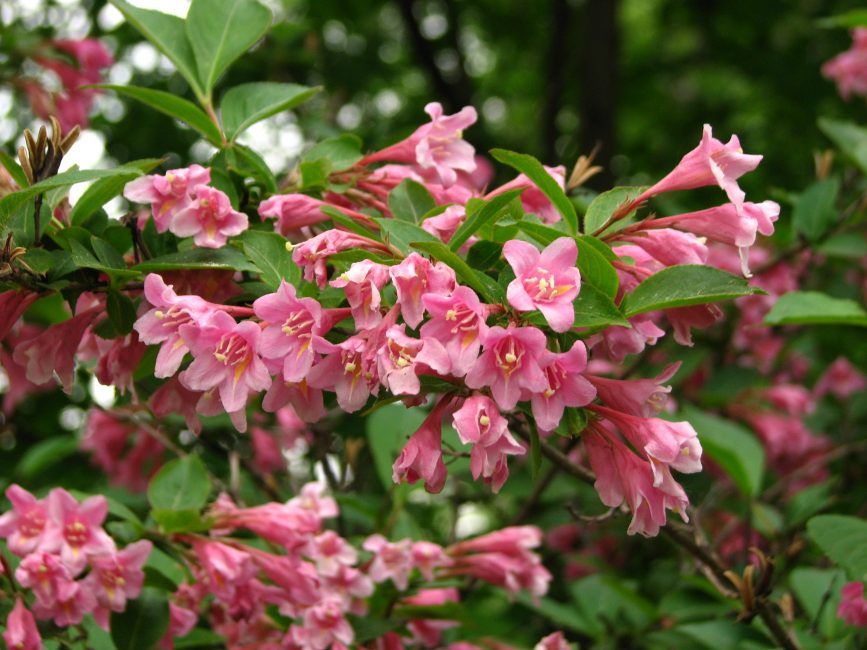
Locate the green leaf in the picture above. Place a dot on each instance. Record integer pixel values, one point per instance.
(342, 151)
(267, 250)
(246, 162)
(410, 201)
(349, 224)
(483, 254)
(45, 454)
(244, 105)
(14, 169)
(684, 285)
(168, 36)
(227, 257)
(401, 234)
(181, 484)
(595, 269)
(847, 20)
(173, 106)
(596, 309)
(732, 447)
(121, 312)
(180, 521)
(481, 217)
(817, 590)
(534, 170)
(143, 623)
(601, 209)
(107, 254)
(222, 30)
(11, 202)
(815, 308)
(814, 211)
(850, 138)
(843, 539)
(105, 189)
(485, 286)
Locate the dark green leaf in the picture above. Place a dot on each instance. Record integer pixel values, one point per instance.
(244, 105)
(342, 151)
(410, 201)
(41, 457)
(847, 20)
(601, 209)
(173, 106)
(168, 35)
(401, 234)
(481, 217)
(595, 309)
(684, 285)
(180, 521)
(143, 623)
(107, 254)
(534, 170)
(267, 250)
(14, 169)
(181, 484)
(105, 189)
(814, 308)
(850, 138)
(484, 254)
(484, 285)
(814, 211)
(732, 447)
(222, 30)
(843, 539)
(121, 312)
(226, 257)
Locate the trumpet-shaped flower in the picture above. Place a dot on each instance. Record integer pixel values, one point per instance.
(414, 277)
(566, 386)
(457, 321)
(209, 219)
(168, 194)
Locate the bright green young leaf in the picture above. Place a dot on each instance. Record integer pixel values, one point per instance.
(848, 20)
(341, 152)
(481, 217)
(244, 105)
(173, 106)
(181, 484)
(168, 35)
(401, 234)
(684, 285)
(143, 623)
(815, 308)
(199, 258)
(105, 189)
(732, 447)
(410, 201)
(314, 173)
(601, 209)
(220, 31)
(534, 170)
(814, 211)
(849, 137)
(267, 250)
(181, 521)
(482, 284)
(843, 539)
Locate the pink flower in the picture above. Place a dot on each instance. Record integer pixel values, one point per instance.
(168, 194)
(402, 358)
(308, 402)
(227, 568)
(641, 397)
(683, 319)
(533, 199)
(313, 253)
(329, 552)
(21, 632)
(438, 146)
(623, 476)
(457, 321)
(127, 454)
(853, 607)
(209, 219)
(351, 586)
(312, 499)
(710, 163)
(414, 277)
(23, 527)
(478, 422)
(72, 604)
(161, 325)
(669, 247)
(350, 371)
(13, 304)
(225, 357)
(54, 349)
(293, 324)
(47, 576)
(446, 224)
(422, 456)
(362, 283)
(173, 399)
(292, 211)
(288, 525)
(390, 560)
(565, 386)
(510, 364)
(428, 632)
(324, 627)
(547, 281)
(849, 69)
(617, 342)
(115, 577)
(76, 529)
(427, 557)
(554, 641)
(840, 379)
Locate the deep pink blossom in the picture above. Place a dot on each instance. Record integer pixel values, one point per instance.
(307, 402)
(23, 527)
(566, 386)
(668, 246)
(118, 576)
(414, 277)
(209, 218)
(849, 69)
(361, 284)
(76, 529)
(402, 358)
(533, 199)
(21, 632)
(445, 224)
(286, 524)
(167, 194)
(422, 456)
(641, 397)
(129, 455)
(349, 370)
(617, 342)
(313, 254)
(510, 364)
(13, 304)
(72, 604)
(458, 322)
(853, 606)
(292, 211)
(226, 567)
(172, 398)
(840, 379)
(547, 281)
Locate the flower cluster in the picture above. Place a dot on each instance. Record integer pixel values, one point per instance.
(849, 69)
(69, 562)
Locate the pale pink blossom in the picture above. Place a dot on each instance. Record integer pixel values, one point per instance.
(209, 219)
(329, 552)
(313, 254)
(361, 284)
(402, 358)
(668, 246)
(458, 322)
(427, 557)
(566, 386)
(118, 576)
(428, 632)
(555, 641)
(21, 632)
(167, 194)
(547, 281)
(24, 527)
(76, 529)
(72, 604)
(288, 525)
(849, 69)
(292, 211)
(48, 577)
(422, 456)
(312, 498)
(391, 561)
(324, 626)
(510, 364)
(853, 606)
(226, 567)
(445, 224)
(349, 370)
(414, 277)
(307, 402)
(351, 586)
